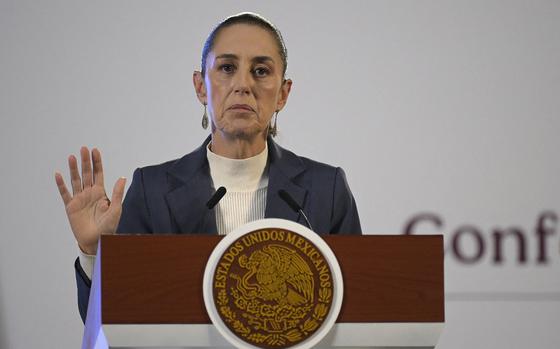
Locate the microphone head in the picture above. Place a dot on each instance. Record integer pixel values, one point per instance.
(218, 195)
(289, 200)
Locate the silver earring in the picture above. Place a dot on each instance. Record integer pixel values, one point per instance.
(274, 128)
(205, 119)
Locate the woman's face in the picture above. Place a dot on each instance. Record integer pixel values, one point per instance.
(243, 86)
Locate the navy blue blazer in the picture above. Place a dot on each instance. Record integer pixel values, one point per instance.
(170, 198)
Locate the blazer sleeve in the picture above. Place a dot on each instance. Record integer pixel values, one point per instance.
(345, 219)
(84, 286)
(135, 219)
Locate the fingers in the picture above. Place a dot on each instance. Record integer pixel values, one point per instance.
(66, 197)
(87, 177)
(118, 192)
(97, 167)
(74, 175)
(87, 174)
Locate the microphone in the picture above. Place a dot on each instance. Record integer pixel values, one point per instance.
(288, 199)
(218, 195)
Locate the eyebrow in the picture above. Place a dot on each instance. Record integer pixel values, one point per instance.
(258, 59)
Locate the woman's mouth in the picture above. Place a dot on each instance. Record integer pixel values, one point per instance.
(241, 107)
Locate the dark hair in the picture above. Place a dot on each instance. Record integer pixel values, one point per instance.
(251, 19)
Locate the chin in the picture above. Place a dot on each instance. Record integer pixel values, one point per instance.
(243, 129)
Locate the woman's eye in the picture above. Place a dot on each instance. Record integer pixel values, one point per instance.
(227, 68)
(261, 72)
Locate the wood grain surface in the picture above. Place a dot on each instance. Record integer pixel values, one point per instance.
(158, 278)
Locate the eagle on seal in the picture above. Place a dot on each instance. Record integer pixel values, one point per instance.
(281, 276)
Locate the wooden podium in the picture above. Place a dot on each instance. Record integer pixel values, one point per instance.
(147, 292)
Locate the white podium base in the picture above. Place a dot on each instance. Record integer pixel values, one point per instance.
(343, 335)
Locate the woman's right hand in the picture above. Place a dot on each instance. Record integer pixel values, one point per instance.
(89, 210)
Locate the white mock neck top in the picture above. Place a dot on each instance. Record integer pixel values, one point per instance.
(246, 182)
(238, 175)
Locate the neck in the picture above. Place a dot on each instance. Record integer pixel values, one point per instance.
(237, 148)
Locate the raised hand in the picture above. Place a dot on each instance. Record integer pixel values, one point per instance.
(89, 210)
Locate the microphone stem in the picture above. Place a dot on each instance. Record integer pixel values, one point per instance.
(306, 220)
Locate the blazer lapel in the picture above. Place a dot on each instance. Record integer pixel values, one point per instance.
(190, 187)
(284, 167)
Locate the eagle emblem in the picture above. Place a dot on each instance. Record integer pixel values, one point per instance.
(271, 292)
(279, 276)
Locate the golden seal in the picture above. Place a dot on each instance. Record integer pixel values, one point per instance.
(273, 288)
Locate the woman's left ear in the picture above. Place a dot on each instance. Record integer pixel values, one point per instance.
(284, 93)
(198, 83)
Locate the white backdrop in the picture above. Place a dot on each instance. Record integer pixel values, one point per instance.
(440, 107)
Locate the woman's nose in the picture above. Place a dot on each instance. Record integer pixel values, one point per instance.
(242, 83)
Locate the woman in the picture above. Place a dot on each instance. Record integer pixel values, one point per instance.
(241, 85)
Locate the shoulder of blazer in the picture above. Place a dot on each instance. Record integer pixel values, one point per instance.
(177, 170)
(305, 167)
(294, 164)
